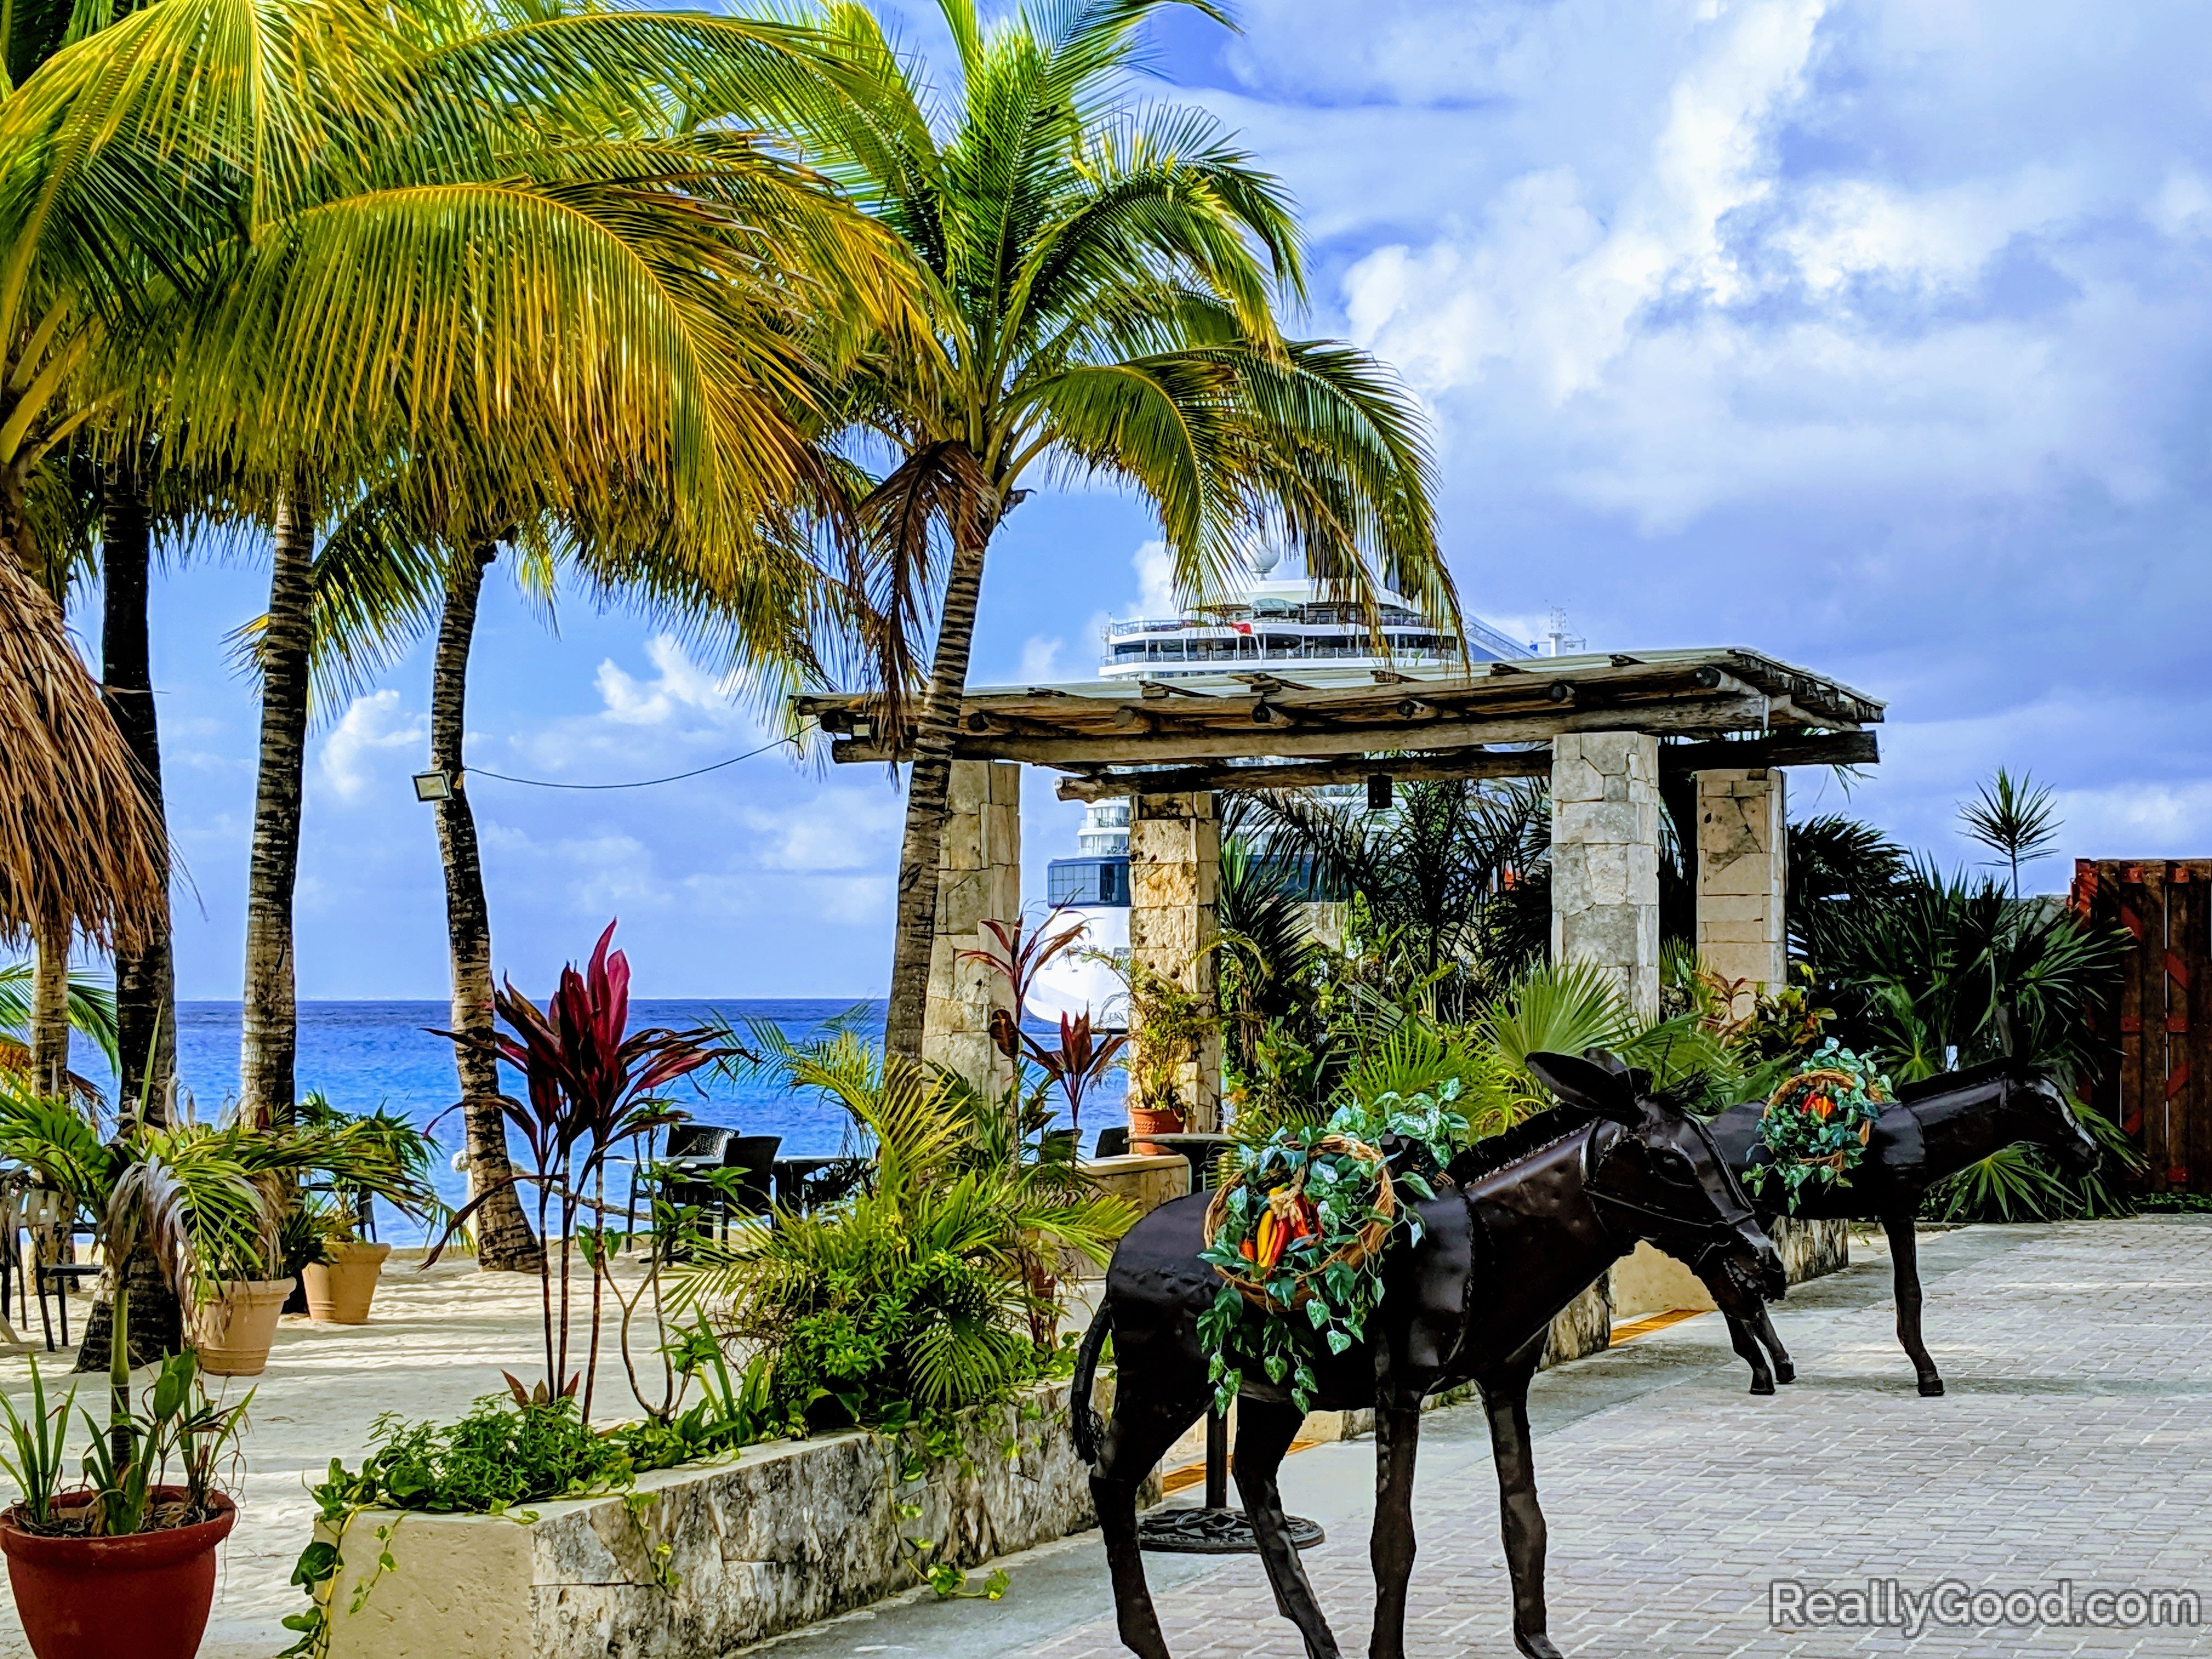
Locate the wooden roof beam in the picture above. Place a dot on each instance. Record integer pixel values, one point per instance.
(1309, 774)
(1791, 749)
(1195, 744)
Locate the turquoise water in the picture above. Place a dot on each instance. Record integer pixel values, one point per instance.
(366, 1054)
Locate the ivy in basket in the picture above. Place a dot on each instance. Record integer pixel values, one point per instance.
(1817, 1124)
(1299, 1232)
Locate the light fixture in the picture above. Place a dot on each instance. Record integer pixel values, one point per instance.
(1378, 792)
(436, 784)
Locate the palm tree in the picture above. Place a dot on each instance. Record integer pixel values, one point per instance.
(1101, 276)
(319, 306)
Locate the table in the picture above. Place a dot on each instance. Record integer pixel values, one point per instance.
(791, 1175)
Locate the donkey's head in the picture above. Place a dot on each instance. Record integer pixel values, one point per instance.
(1663, 1180)
(2044, 1117)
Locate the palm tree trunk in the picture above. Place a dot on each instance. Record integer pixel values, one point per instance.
(504, 1240)
(145, 970)
(927, 790)
(271, 1034)
(50, 1024)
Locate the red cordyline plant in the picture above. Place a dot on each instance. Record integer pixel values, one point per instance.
(591, 1086)
(1081, 1059)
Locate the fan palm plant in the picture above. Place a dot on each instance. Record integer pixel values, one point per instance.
(1442, 875)
(1101, 276)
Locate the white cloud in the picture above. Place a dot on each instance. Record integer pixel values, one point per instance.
(1041, 663)
(1156, 584)
(679, 689)
(837, 829)
(663, 721)
(373, 731)
(1651, 305)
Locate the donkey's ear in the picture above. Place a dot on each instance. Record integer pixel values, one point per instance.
(1586, 1086)
(1606, 1060)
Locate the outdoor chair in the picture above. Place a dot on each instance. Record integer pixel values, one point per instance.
(1114, 1142)
(691, 1147)
(56, 1277)
(756, 1156)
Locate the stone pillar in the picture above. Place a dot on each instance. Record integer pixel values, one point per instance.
(1175, 889)
(978, 877)
(1605, 859)
(1743, 873)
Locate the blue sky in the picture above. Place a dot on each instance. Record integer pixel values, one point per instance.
(1873, 334)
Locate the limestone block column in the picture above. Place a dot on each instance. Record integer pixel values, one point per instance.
(1175, 893)
(1605, 859)
(979, 878)
(1743, 873)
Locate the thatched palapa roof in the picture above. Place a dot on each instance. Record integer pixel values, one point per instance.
(79, 843)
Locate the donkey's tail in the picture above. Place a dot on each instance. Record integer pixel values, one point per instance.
(1089, 1430)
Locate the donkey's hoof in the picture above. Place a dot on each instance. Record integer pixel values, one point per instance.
(1536, 1645)
(1930, 1387)
(1762, 1385)
(1785, 1371)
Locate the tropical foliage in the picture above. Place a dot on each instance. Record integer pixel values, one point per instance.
(590, 1086)
(1102, 277)
(205, 1202)
(1450, 885)
(934, 1288)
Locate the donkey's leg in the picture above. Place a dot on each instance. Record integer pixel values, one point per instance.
(1265, 1429)
(1747, 1345)
(1505, 1398)
(1905, 1256)
(1390, 1546)
(1770, 1339)
(1139, 1436)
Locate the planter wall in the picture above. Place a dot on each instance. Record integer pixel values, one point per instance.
(783, 1535)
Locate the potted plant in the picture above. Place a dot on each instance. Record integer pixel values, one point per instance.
(338, 1267)
(1166, 1021)
(341, 1279)
(123, 1566)
(205, 1202)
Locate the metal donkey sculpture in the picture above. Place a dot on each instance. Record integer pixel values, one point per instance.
(1536, 1216)
(1933, 1129)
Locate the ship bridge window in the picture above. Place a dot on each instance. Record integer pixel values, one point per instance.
(1087, 881)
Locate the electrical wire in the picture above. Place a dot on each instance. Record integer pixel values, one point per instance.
(642, 783)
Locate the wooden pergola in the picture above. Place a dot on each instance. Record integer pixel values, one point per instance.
(1709, 729)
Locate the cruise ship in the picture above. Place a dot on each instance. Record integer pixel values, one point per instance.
(1275, 625)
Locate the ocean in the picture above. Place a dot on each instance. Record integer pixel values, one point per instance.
(362, 1055)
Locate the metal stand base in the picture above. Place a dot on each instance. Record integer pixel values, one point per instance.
(1213, 1532)
(1214, 1528)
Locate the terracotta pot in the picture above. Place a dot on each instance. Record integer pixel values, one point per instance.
(234, 1331)
(1151, 1120)
(142, 1597)
(339, 1292)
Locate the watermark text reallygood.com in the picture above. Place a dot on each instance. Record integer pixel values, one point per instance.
(1953, 1604)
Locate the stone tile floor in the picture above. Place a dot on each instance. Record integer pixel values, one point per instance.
(2074, 1443)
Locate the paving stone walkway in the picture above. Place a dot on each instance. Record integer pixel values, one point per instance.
(2074, 1446)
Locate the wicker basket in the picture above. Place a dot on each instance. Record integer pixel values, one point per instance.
(1834, 1079)
(1363, 1245)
